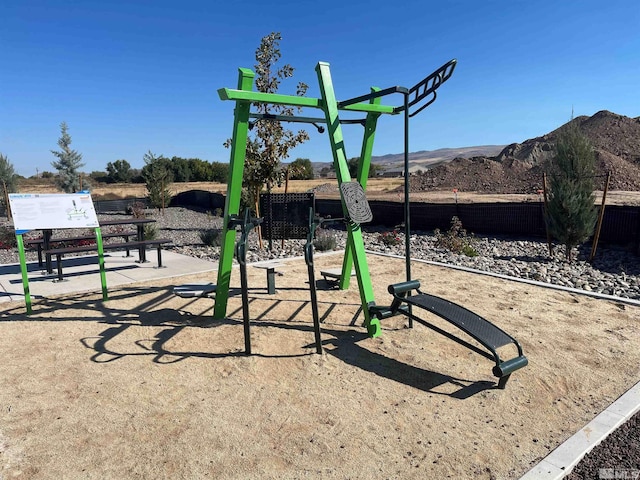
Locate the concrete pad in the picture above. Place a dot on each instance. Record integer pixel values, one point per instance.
(82, 274)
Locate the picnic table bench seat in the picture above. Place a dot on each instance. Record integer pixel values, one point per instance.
(142, 244)
(39, 242)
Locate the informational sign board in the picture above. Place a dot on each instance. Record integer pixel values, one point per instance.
(35, 211)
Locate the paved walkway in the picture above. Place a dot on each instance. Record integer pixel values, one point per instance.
(82, 274)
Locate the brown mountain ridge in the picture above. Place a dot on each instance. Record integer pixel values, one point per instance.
(518, 168)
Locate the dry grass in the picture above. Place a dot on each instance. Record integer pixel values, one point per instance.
(377, 189)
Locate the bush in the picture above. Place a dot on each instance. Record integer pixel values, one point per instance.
(150, 231)
(324, 241)
(211, 237)
(7, 238)
(390, 239)
(136, 209)
(456, 239)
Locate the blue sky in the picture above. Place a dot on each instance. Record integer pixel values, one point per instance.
(133, 76)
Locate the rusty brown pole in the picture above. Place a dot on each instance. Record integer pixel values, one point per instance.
(546, 207)
(596, 237)
(6, 200)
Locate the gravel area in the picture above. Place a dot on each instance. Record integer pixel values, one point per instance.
(615, 271)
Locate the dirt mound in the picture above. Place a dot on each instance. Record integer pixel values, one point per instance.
(519, 167)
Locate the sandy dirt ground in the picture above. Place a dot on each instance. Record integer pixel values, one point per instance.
(147, 385)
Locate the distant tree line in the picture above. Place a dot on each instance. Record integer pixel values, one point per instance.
(180, 170)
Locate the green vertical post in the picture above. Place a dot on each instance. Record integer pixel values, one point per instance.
(234, 193)
(330, 107)
(23, 270)
(103, 275)
(362, 177)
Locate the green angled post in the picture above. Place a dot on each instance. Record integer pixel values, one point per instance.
(234, 190)
(334, 130)
(23, 270)
(362, 176)
(103, 275)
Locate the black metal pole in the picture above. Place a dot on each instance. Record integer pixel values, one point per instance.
(407, 213)
(407, 226)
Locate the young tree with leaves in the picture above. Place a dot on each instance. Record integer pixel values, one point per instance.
(301, 169)
(158, 178)
(8, 179)
(270, 142)
(571, 214)
(68, 164)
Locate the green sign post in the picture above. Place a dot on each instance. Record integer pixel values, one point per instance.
(32, 211)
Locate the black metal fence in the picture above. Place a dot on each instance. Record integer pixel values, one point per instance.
(621, 224)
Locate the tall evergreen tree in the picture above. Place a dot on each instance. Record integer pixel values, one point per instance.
(68, 163)
(571, 213)
(158, 178)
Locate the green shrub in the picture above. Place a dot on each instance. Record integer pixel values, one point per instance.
(136, 209)
(324, 241)
(211, 237)
(456, 239)
(150, 231)
(7, 238)
(390, 239)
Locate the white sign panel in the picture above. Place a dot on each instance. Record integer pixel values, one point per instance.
(34, 211)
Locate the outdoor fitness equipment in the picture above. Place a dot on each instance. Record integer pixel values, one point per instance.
(355, 206)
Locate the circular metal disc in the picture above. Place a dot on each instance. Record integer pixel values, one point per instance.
(356, 202)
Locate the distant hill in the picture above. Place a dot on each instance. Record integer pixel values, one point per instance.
(425, 158)
(518, 167)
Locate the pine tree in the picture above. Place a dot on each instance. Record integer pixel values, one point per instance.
(68, 164)
(158, 178)
(571, 213)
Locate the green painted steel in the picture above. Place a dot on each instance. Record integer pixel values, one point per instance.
(244, 96)
(334, 131)
(234, 192)
(362, 177)
(294, 101)
(23, 270)
(103, 275)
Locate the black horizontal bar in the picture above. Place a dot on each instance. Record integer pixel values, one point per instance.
(293, 119)
(369, 96)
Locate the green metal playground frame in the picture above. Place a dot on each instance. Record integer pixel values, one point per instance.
(417, 97)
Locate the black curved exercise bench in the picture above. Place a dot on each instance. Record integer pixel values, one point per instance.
(483, 331)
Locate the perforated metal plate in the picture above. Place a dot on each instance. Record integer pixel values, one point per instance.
(286, 215)
(356, 202)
